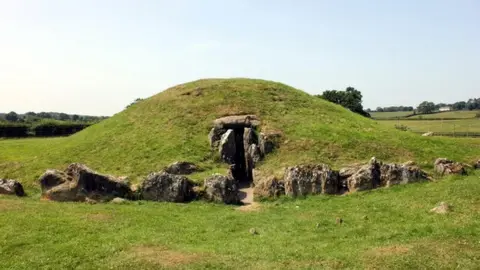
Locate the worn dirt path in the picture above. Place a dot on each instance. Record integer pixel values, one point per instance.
(246, 195)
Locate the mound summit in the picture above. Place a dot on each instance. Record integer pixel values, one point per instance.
(174, 125)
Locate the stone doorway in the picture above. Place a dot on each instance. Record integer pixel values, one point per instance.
(236, 139)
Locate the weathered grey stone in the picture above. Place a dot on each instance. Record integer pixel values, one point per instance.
(222, 189)
(227, 147)
(249, 138)
(344, 174)
(253, 152)
(394, 174)
(237, 121)
(310, 179)
(269, 187)
(53, 178)
(267, 142)
(166, 187)
(215, 136)
(11, 187)
(182, 167)
(78, 183)
(367, 177)
(444, 166)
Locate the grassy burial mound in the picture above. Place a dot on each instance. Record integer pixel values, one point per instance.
(174, 125)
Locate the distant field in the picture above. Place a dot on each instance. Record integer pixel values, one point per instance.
(447, 115)
(384, 115)
(466, 125)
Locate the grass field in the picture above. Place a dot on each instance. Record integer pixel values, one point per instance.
(174, 126)
(382, 229)
(447, 115)
(383, 115)
(466, 125)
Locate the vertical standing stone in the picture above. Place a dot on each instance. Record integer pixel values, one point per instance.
(227, 147)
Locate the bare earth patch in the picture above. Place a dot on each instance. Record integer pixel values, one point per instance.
(6, 205)
(98, 217)
(318, 264)
(389, 250)
(163, 256)
(252, 207)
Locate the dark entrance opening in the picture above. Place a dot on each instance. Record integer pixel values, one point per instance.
(240, 169)
(242, 163)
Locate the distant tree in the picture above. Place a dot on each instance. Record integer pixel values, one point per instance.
(351, 99)
(473, 104)
(395, 109)
(31, 114)
(75, 117)
(44, 115)
(458, 106)
(63, 116)
(426, 107)
(11, 116)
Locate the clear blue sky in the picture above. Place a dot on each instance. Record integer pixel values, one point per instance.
(96, 56)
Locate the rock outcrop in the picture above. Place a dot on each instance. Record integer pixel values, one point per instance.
(182, 168)
(477, 165)
(444, 166)
(344, 174)
(310, 179)
(80, 183)
(394, 174)
(221, 189)
(320, 179)
(215, 136)
(254, 153)
(268, 142)
(227, 147)
(365, 178)
(269, 187)
(166, 187)
(11, 187)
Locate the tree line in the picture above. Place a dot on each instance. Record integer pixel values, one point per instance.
(429, 107)
(351, 99)
(43, 124)
(31, 117)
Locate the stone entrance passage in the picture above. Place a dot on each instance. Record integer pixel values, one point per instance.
(236, 139)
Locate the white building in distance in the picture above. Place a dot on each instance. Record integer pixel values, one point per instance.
(445, 109)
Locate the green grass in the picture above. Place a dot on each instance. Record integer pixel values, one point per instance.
(383, 115)
(447, 115)
(397, 233)
(465, 125)
(174, 125)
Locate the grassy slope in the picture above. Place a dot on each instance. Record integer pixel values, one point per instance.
(465, 125)
(398, 233)
(173, 126)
